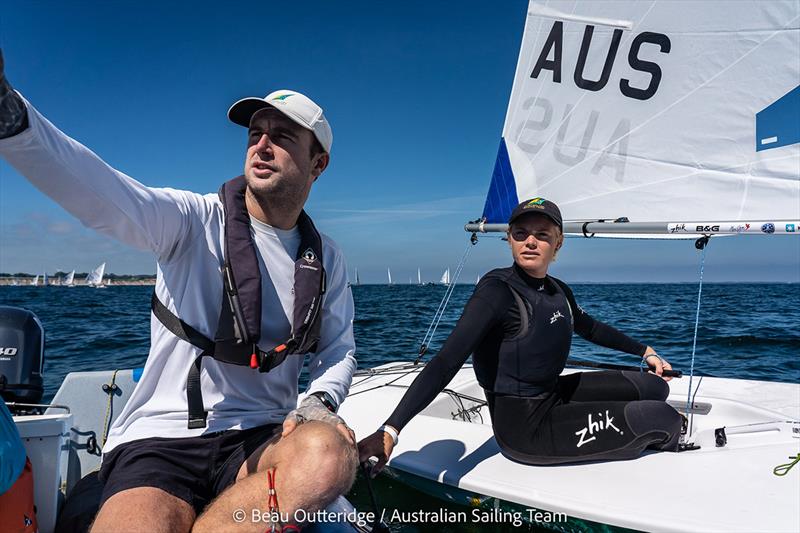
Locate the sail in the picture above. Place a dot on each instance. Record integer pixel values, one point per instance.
(35, 280)
(69, 280)
(419, 277)
(389, 272)
(95, 277)
(445, 277)
(655, 111)
(44, 280)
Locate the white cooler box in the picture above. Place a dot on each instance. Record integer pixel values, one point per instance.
(46, 439)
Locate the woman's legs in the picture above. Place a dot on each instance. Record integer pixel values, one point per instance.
(598, 416)
(611, 385)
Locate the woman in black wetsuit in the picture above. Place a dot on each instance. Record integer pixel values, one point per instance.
(518, 326)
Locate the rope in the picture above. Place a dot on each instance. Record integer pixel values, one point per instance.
(437, 317)
(689, 414)
(782, 470)
(110, 389)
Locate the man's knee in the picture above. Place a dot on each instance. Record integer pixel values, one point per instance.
(333, 459)
(151, 508)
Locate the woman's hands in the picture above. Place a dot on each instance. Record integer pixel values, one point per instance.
(656, 363)
(380, 444)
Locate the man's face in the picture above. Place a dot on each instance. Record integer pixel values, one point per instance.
(279, 166)
(534, 241)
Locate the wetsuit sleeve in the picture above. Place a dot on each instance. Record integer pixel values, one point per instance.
(101, 197)
(332, 367)
(598, 332)
(485, 309)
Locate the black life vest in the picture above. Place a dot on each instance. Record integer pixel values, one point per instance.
(239, 326)
(528, 362)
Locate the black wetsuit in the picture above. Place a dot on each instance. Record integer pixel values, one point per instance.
(540, 417)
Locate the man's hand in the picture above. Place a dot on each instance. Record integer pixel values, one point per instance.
(656, 363)
(13, 113)
(312, 408)
(380, 444)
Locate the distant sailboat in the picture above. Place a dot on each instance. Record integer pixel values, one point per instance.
(69, 281)
(419, 277)
(477, 279)
(45, 283)
(445, 277)
(35, 281)
(389, 272)
(95, 277)
(358, 281)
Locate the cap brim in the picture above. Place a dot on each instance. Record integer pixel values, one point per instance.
(540, 213)
(242, 111)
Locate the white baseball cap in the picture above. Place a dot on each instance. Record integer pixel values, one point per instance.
(298, 107)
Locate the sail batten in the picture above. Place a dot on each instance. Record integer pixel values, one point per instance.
(678, 114)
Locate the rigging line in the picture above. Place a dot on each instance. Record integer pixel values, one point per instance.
(451, 288)
(437, 317)
(689, 413)
(673, 104)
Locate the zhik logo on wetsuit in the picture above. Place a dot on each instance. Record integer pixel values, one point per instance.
(593, 427)
(556, 316)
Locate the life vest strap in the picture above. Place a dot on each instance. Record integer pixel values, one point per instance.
(194, 395)
(264, 361)
(178, 327)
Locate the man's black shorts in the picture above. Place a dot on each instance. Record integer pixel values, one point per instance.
(194, 469)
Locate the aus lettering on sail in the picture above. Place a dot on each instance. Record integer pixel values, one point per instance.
(626, 63)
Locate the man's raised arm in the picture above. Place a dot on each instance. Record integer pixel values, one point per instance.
(101, 197)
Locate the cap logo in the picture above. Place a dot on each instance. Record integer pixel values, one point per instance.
(536, 202)
(282, 97)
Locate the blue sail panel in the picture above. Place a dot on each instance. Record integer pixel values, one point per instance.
(502, 196)
(779, 123)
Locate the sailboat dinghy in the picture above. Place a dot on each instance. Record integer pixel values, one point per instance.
(639, 119)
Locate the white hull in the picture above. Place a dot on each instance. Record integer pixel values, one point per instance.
(731, 488)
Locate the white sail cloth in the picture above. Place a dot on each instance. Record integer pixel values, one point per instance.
(655, 111)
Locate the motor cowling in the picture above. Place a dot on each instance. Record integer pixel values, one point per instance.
(21, 355)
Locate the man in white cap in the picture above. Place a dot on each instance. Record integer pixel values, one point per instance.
(247, 446)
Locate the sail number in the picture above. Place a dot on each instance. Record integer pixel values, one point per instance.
(552, 51)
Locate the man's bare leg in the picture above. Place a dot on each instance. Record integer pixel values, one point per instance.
(313, 465)
(144, 509)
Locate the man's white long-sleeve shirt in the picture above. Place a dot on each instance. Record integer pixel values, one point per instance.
(185, 231)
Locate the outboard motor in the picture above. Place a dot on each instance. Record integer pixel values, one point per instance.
(21, 357)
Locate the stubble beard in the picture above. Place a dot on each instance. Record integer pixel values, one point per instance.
(274, 193)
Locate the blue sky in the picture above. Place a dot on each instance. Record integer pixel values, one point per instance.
(416, 93)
